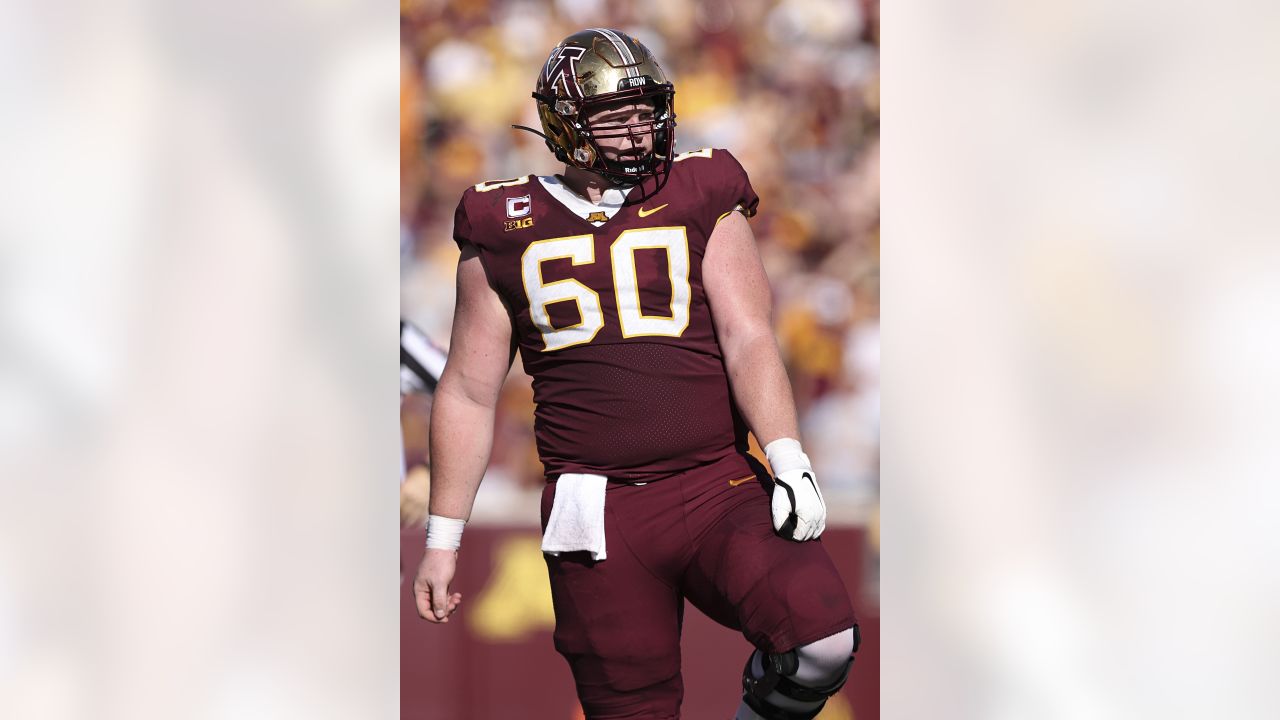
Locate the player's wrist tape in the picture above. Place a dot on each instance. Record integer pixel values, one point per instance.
(444, 533)
(784, 454)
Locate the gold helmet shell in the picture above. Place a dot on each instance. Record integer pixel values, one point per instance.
(595, 67)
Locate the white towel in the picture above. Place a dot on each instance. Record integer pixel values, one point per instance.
(577, 516)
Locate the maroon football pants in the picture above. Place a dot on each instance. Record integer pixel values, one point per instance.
(705, 535)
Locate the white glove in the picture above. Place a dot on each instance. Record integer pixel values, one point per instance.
(799, 512)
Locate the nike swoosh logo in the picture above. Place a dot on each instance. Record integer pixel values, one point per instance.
(739, 481)
(646, 213)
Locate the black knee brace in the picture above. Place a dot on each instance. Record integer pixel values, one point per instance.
(778, 670)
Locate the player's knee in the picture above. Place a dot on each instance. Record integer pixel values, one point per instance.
(795, 685)
(823, 661)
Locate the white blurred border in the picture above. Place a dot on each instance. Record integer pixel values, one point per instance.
(197, 303)
(1081, 283)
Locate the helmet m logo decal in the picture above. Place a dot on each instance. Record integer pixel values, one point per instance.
(562, 70)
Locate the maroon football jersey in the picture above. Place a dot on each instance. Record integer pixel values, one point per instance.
(612, 320)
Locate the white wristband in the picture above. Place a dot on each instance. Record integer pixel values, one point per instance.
(785, 454)
(444, 533)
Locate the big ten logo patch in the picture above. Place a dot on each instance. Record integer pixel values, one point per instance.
(518, 209)
(516, 601)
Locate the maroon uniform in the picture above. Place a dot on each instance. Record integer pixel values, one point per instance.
(612, 320)
(614, 327)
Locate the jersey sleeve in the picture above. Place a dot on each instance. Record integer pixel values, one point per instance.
(735, 188)
(470, 231)
(462, 232)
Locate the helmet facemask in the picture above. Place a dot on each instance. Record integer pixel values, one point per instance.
(625, 170)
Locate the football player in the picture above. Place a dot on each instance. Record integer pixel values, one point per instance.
(632, 287)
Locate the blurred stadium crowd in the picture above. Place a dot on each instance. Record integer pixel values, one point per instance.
(791, 87)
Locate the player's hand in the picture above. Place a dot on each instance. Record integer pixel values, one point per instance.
(799, 512)
(431, 586)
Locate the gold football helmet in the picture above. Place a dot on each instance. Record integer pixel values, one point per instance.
(592, 68)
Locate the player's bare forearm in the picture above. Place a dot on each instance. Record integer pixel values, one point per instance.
(461, 441)
(761, 387)
(462, 417)
(742, 310)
